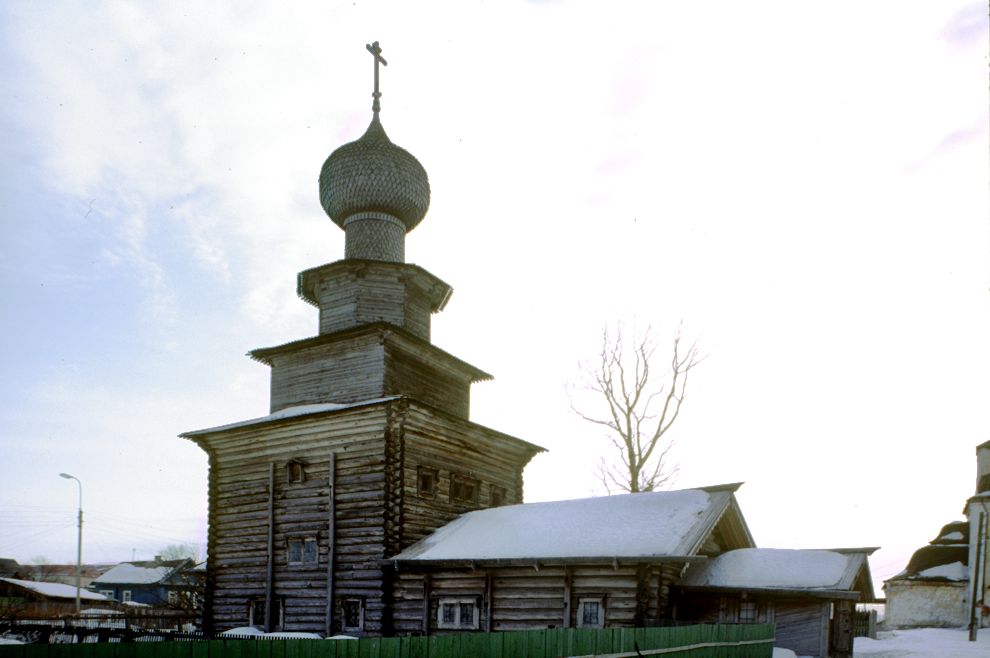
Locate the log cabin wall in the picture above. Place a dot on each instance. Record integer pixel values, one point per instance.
(432, 384)
(452, 447)
(526, 597)
(240, 519)
(342, 371)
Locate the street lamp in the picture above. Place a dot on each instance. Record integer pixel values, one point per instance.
(78, 543)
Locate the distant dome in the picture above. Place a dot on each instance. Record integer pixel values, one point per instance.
(374, 175)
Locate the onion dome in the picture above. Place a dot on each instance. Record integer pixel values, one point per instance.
(373, 176)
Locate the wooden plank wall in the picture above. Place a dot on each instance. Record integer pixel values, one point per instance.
(240, 521)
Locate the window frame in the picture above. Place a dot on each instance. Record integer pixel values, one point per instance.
(344, 626)
(125, 596)
(459, 480)
(434, 474)
(295, 471)
(599, 601)
(496, 491)
(459, 623)
(303, 541)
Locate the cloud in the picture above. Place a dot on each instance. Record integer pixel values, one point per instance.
(968, 26)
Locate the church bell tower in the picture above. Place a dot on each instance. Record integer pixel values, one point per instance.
(368, 445)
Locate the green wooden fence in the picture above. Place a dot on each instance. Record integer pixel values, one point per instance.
(701, 641)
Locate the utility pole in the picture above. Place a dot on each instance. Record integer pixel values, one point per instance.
(78, 544)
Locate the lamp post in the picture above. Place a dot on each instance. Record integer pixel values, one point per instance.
(78, 543)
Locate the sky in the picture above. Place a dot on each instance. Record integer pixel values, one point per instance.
(804, 189)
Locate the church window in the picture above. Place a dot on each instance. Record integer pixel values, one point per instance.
(591, 613)
(303, 550)
(353, 615)
(460, 613)
(296, 471)
(496, 497)
(463, 489)
(426, 481)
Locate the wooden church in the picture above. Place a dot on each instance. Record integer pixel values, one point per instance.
(368, 446)
(368, 503)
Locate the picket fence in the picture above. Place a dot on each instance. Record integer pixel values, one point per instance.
(701, 641)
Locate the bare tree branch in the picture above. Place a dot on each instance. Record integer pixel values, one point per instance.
(641, 407)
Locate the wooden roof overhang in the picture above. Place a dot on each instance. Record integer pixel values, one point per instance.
(437, 290)
(782, 592)
(392, 335)
(536, 564)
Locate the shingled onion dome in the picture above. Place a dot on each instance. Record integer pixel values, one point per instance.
(375, 191)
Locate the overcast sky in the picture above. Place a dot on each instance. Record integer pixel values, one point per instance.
(805, 186)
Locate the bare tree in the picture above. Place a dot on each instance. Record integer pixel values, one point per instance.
(180, 552)
(640, 407)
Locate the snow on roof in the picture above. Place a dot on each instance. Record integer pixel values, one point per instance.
(954, 571)
(55, 590)
(290, 412)
(138, 573)
(774, 568)
(656, 524)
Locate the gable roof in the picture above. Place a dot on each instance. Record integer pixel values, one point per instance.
(844, 573)
(642, 526)
(54, 590)
(141, 573)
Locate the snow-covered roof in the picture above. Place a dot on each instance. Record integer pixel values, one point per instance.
(779, 568)
(289, 412)
(139, 573)
(55, 590)
(641, 525)
(955, 571)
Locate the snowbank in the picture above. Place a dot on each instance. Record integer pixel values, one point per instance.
(924, 643)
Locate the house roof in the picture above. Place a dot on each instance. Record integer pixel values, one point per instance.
(652, 526)
(790, 570)
(937, 562)
(140, 573)
(55, 590)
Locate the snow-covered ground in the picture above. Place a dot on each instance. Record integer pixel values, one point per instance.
(924, 643)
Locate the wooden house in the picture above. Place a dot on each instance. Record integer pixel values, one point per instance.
(29, 599)
(809, 595)
(161, 583)
(608, 561)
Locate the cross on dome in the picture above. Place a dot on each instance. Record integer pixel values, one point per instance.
(376, 51)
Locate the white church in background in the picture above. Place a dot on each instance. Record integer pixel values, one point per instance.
(946, 582)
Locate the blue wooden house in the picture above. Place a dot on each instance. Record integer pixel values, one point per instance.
(160, 583)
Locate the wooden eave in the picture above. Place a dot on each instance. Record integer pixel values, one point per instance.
(833, 594)
(439, 290)
(537, 564)
(387, 331)
(265, 422)
(729, 515)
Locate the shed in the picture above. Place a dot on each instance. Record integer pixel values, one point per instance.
(809, 594)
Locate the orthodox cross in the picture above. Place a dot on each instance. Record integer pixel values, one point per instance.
(376, 51)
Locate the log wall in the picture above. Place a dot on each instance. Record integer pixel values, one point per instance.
(523, 598)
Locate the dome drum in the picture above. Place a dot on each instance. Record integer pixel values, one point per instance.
(375, 236)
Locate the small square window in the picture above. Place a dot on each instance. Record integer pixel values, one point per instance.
(304, 550)
(462, 613)
(353, 615)
(463, 489)
(295, 471)
(496, 497)
(426, 481)
(591, 613)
